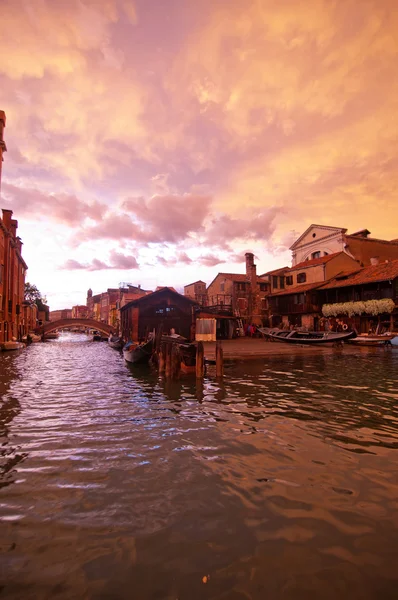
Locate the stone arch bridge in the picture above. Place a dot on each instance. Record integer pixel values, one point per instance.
(67, 323)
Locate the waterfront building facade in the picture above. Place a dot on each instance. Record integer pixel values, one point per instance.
(366, 299)
(292, 300)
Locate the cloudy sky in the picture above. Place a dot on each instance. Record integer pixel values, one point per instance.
(155, 141)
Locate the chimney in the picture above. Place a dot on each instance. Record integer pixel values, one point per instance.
(3, 147)
(374, 261)
(249, 264)
(13, 228)
(7, 214)
(251, 270)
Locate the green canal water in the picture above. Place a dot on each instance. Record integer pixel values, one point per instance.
(281, 481)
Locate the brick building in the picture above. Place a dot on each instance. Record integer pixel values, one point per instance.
(242, 295)
(105, 307)
(79, 311)
(64, 313)
(196, 291)
(12, 267)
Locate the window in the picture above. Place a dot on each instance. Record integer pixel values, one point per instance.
(316, 254)
(289, 280)
(282, 282)
(263, 287)
(241, 287)
(222, 286)
(275, 281)
(301, 278)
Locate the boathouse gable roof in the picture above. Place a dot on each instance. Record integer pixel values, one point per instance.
(157, 295)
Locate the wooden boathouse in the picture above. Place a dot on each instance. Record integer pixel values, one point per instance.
(164, 308)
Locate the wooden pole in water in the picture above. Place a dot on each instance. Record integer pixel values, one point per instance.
(175, 361)
(219, 359)
(200, 361)
(168, 360)
(162, 358)
(158, 338)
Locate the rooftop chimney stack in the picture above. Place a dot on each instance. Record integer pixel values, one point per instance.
(7, 216)
(3, 147)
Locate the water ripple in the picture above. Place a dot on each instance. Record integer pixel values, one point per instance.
(278, 481)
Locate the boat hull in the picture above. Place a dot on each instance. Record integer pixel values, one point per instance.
(372, 340)
(115, 342)
(11, 346)
(138, 354)
(310, 337)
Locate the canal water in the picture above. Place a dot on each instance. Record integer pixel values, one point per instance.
(281, 481)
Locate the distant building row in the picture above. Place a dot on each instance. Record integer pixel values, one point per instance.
(330, 268)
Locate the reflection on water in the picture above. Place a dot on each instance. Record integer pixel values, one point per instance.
(280, 481)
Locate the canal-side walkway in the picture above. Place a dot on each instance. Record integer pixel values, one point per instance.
(250, 348)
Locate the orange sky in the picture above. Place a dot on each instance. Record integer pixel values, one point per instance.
(149, 135)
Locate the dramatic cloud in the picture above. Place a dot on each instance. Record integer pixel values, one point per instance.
(62, 208)
(253, 225)
(117, 261)
(169, 218)
(203, 130)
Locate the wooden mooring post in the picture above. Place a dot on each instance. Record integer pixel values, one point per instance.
(175, 361)
(168, 360)
(162, 358)
(219, 360)
(200, 361)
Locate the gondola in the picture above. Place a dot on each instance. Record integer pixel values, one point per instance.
(115, 342)
(135, 353)
(305, 337)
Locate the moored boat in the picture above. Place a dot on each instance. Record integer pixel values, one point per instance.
(306, 337)
(30, 338)
(53, 335)
(115, 342)
(136, 353)
(11, 345)
(99, 337)
(373, 340)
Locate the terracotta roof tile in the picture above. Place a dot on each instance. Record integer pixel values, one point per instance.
(374, 273)
(276, 272)
(315, 261)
